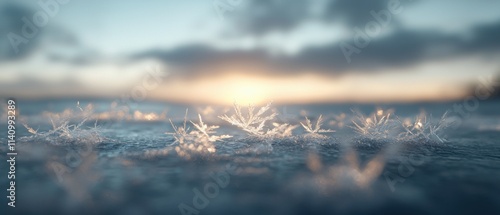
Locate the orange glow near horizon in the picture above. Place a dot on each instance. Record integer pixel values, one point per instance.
(306, 88)
(251, 84)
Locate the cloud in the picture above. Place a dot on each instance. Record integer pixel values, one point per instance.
(11, 22)
(258, 17)
(32, 87)
(352, 13)
(199, 60)
(57, 43)
(401, 48)
(484, 37)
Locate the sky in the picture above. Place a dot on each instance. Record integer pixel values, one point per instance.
(225, 51)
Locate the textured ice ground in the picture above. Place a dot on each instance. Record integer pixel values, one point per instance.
(132, 167)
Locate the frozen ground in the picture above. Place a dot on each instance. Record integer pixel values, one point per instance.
(123, 162)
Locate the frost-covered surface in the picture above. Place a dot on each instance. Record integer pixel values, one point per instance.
(68, 127)
(197, 142)
(302, 168)
(424, 128)
(378, 125)
(255, 122)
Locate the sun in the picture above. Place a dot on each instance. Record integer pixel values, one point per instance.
(247, 92)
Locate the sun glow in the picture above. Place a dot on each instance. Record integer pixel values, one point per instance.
(245, 91)
(256, 89)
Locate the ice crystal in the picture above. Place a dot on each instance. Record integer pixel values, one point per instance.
(424, 128)
(378, 125)
(254, 122)
(205, 131)
(281, 130)
(195, 142)
(66, 129)
(315, 131)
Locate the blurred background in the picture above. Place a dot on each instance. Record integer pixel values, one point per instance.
(111, 73)
(222, 51)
